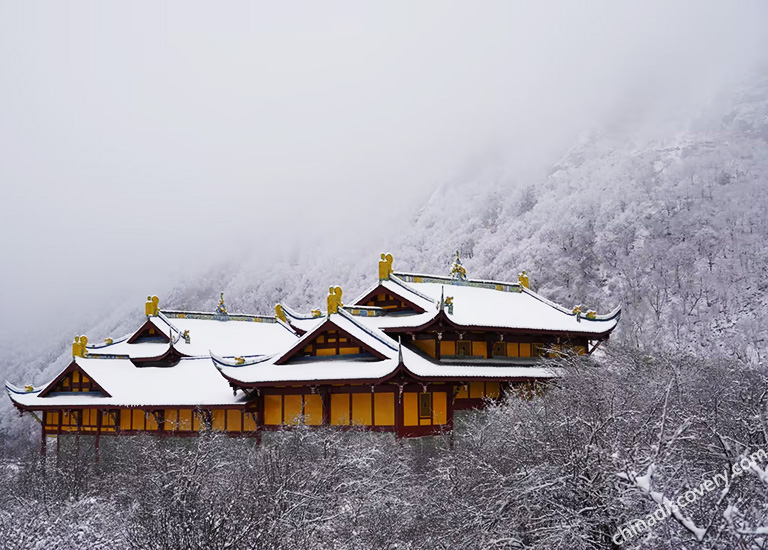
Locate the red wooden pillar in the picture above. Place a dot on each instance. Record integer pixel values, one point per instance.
(98, 435)
(42, 437)
(399, 428)
(259, 417)
(326, 393)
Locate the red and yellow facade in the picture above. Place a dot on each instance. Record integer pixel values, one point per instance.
(401, 358)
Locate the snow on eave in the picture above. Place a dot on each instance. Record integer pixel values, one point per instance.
(380, 336)
(102, 345)
(616, 311)
(299, 316)
(398, 281)
(221, 361)
(326, 371)
(11, 388)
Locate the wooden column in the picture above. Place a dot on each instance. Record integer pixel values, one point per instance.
(42, 437)
(325, 392)
(98, 435)
(259, 417)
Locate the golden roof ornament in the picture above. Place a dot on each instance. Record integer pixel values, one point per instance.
(280, 313)
(457, 270)
(221, 309)
(152, 306)
(334, 299)
(385, 266)
(78, 346)
(522, 279)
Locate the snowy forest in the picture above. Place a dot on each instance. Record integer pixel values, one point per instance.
(663, 213)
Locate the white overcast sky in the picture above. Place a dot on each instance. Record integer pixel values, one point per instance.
(140, 140)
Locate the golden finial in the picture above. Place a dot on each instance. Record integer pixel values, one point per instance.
(280, 313)
(334, 299)
(78, 346)
(385, 266)
(316, 313)
(522, 279)
(152, 306)
(457, 270)
(239, 360)
(221, 309)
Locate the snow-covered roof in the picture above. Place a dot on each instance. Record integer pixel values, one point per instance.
(238, 335)
(257, 350)
(398, 287)
(341, 368)
(301, 321)
(192, 382)
(424, 367)
(495, 304)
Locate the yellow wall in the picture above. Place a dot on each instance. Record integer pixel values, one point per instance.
(427, 346)
(361, 409)
(492, 389)
(52, 419)
(218, 420)
(138, 419)
(480, 349)
(313, 409)
(384, 413)
(292, 404)
(513, 349)
(185, 419)
(411, 409)
(439, 407)
(447, 348)
(340, 409)
(273, 410)
(234, 420)
(476, 390)
(249, 421)
(525, 350)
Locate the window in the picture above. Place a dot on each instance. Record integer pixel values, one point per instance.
(499, 349)
(464, 348)
(425, 405)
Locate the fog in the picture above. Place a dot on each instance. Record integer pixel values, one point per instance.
(141, 143)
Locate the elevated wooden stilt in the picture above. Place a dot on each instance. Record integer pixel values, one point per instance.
(42, 440)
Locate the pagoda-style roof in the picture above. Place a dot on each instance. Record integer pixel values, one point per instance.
(394, 331)
(237, 334)
(497, 305)
(190, 383)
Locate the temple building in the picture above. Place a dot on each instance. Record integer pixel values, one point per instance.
(402, 357)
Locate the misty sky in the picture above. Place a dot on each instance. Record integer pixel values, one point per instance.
(143, 140)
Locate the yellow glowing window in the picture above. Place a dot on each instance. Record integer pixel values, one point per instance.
(425, 405)
(464, 348)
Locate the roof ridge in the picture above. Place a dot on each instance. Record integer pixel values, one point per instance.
(296, 315)
(439, 279)
(399, 281)
(380, 337)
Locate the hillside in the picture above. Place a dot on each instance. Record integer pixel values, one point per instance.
(670, 225)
